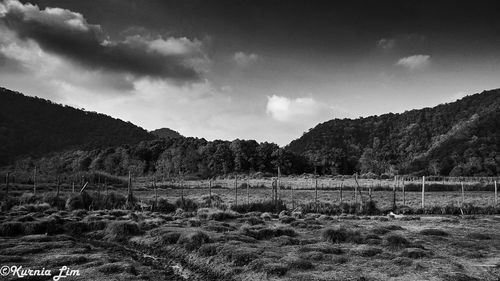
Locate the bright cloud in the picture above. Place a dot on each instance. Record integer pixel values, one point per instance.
(285, 109)
(244, 60)
(414, 62)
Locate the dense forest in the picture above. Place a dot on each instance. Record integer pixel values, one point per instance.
(169, 157)
(457, 139)
(31, 126)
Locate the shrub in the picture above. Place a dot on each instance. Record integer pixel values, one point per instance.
(367, 251)
(478, 236)
(186, 204)
(239, 256)
(277, 269)
(11, 229)
(121, 230)
(301, 264)
(208, 250)
(434, 232)
(415, 253)
(267, 233)
(193, 240)
(164, 206)
(339, 235)
(170, 237)
(263, 206)
(397, 242)
(54, 201)
(45, 226)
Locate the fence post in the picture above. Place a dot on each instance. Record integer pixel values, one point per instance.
(341, 186)
(73, 186)
(156, 194)
(496, 194)
(210, 193)
(248, 191)
(394, 192)
(7, 185)
(58, 186)
(293, 200)
(34, 181)
(316, 193)
(236, 191)
(463, 193)
(356, 190)
(370, 191)
(404, 193)
(423, 192)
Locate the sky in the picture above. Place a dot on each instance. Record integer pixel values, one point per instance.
(267, 70)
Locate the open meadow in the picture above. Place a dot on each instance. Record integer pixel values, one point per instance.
(183, 234)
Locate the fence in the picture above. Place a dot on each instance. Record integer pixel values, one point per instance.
(400, 190)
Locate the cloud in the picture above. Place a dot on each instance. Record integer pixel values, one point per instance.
(414, 62)
(386, 43)
(244, 60)
(284, 109)
(68, 34)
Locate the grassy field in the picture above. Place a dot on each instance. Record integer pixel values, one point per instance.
(105, 237)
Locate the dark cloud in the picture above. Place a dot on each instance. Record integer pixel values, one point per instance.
(67, 33)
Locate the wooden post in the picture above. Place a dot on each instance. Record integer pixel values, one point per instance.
(156, 193)
(496, 194)
(278, 183)
(248, 191)
(73, 187)
(58, 186)
(394, 192)
(210, 193)
(423, 192)
(316, 193)
(356, 189)
(291, 195)
(341, 186)
(463, 193)
(404, 194)
(236, 191)
(7, 185)
(370, 191)
(34, 181)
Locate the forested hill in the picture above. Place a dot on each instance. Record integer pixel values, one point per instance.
(458, 138)
(31, 126)
(166, 133)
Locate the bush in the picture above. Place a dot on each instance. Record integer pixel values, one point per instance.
(164, 206)
(277, 269)
(193, 240)
(301, 264)
(11, 229)
(208, 250)
(339, 235)
(186, 204)
(397, 242)
(121, 230)
(434, 232)
(263, 206)
(267, 233)
(170, 237)
(478, 236)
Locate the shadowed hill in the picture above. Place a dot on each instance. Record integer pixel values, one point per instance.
(31, 126)
(458, 138)
(166, 133)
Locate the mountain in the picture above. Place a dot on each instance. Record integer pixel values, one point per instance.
(461, 138)
(31, 126)
(166, 133)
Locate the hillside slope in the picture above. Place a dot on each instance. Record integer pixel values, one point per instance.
(459, 138)
(31, 126)
(166, 133)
